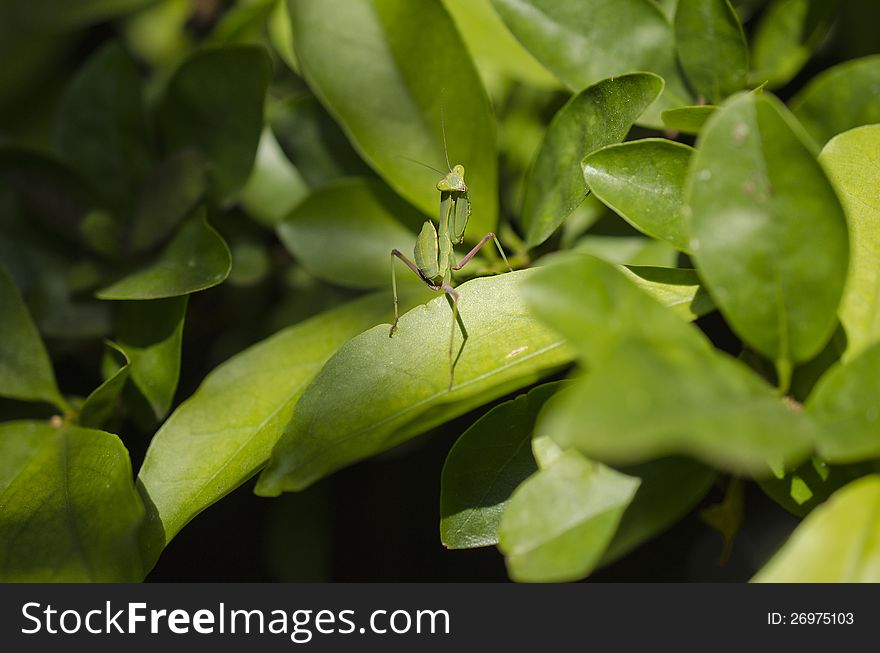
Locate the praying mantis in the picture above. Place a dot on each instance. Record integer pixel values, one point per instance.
(434, 254)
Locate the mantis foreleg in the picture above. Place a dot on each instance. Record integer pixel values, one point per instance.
(467, 257)
(412, 266)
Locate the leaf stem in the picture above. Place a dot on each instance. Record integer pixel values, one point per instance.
(783, 375)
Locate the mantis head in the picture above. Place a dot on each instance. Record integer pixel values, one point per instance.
(454, 181)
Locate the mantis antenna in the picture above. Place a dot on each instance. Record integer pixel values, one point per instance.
(443, 131)
(421, 164)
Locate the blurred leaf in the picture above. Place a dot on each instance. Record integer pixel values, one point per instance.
(70, 509)
(802, 489)
(214, 102)
(102, 131)
(712, 48)
(840, 98)
(25, 369)
(243, 22)
(170, 192)
(836, 543)
(628, 250)
(379, 391)
(852, 163)
(344, 232)
(584, 42)
(150, 334)
(845, 404)
(643, 182)
(417, 64)
(595, 117)
(773, 257)
(250, 263)
(275, 185)
(483, 468)
(50, 15)
(48, 191)
(197, 258)
(313, 142)
(655, 384)
(494, 48)
(786, 37)
(669, 489)
(677, 289)
(221, 436)
(688, 120)
(99, 405)
(281, 35)
(559, 522)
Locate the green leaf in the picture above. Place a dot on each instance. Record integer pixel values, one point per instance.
(845, 404)
(643, 182)
(70, 509)
(25, 369)
(379, 391)
(597, 116)
(214, 102)
(275, 185)
(655, 384)
(102, 128)
(584, 42)
(773, 257)
(495, 50)
(678, 289)
(669, 489)
(712, 48)
(840, 98)
(344, 232)
(485, 466)
(98, 406)
(785, 38)
(559, 522)
(688, 120)
(170, 192)
(851, 162)
(417, 69)
(220, 436)
(802, 489)
(839, 542)
(196, 259)
(628, 250)
(151, 334)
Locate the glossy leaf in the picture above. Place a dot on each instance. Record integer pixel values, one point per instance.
(25, 369)
(220, 436)
(558, 523)
(99, 405)
(688, 120)
(379, 391)
(655, 385)
(669, 488)
(773, 257)
(840, 98)
(839, 542)
(851, 162)
(214, 102)
(102, 129)
(485, 466)
(70, 509)
(845, 404)
(597, 116)
(643, 182)
(584, 42)
(785, 38)
(170, 192)
(344, 232)
(275, 185)
(196, 259)
(151, 335)
(712, 48)
(392, 112)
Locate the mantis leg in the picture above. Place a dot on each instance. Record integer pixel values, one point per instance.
(412, 266)
(467, 257)
(449, 290)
